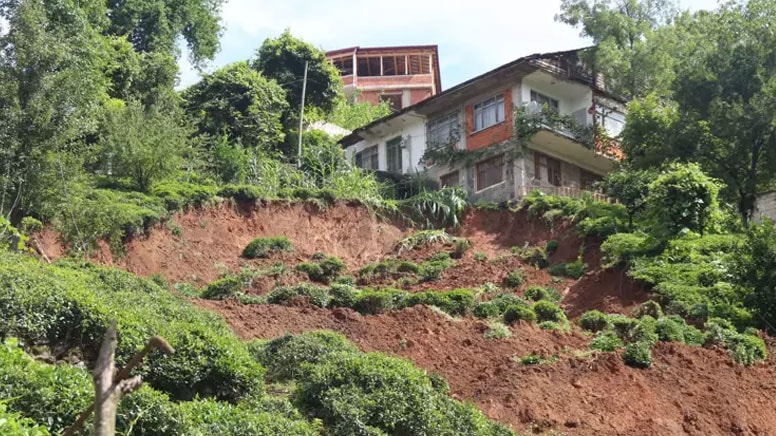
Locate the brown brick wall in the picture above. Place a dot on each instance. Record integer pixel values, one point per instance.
(493, 134)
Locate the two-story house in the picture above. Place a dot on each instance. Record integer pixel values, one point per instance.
(473, 124)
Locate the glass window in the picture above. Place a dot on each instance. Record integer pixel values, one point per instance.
(442, 131)
(393, 150)
(543, 100)
(544, 164)
(488, 113)
(367, 158)
(490, 172)
(612, 121)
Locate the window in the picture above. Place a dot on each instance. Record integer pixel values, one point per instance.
(612, 121)
(393, 100)
(543, 100)
(451, 179)
(394, 65)
(488, 113)
(587, 180)
(419, 64)
(367, 158)
(442, 131)
(490, 172)
(544, 164)
(344, 65)
(393, 150)
(369, 66)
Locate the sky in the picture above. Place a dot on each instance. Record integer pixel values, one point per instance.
(473, 37)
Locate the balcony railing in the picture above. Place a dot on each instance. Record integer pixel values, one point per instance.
(562, 191)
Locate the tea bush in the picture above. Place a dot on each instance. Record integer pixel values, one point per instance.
(607, 341)
(517, 313)
(487, 309)
(548, 311)
(283, 357)
(69, 304)
(318, 296)
(455, 302)
(573, 270)
(371, 302)
(326, 270)
(594, 321)
(263, 247)
(497, 330)
(376, 394)
(514, 279)
(638, 354)
(536, 293)
(222, 289)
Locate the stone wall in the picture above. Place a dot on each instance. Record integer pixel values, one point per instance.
(765, 206)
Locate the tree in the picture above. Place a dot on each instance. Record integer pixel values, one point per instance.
(755, 270)
(351, 114)
(141, 145)
(629, 187)
(283, 59)
(682, 198)
(51, 89)
(722, 108)
(626, 45)
(156, 25)
(238, 102)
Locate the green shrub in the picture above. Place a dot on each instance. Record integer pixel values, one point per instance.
(263, 247)
(594, 321)
(551, 325)
(283, 357)
(180, 195)
(432, 270)
(283, 294)
(186, 290)
(514, 279)
(502, 301)
(375, 394)
(70, 303)
(748, 349)
(242, 193)
(531, 359)
(497, 330)
(326, 270)
(535, 256)
(345, 280)
(441, 255)
(480, 256)
(487, 309)
(621, 248)
(651, 308)
(551, 247)
(53, 395)
(371, 302)
(426, 237)
(207, 417)
(516, 313)
(606, 341)
(13, 424)
(536, 293)
(455, 302)
(548, 311)
(343, 295)
(223, 289)
(573, 270)
(406, 266)
(638, 354)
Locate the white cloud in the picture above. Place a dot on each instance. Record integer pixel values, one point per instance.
(473, 36)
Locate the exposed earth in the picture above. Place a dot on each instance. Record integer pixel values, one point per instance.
(688, 390)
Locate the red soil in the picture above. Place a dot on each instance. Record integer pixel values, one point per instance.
(686, 391)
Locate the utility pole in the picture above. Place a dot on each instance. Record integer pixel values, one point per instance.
(301, 117)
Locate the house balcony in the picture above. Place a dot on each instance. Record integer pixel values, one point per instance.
(561, 191)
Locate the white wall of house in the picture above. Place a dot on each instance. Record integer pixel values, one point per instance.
(413, 134)
(571, 96)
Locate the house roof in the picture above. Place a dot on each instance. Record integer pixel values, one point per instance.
(396, 49)
(526, 63)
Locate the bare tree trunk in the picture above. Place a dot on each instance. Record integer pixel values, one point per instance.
(110, 387)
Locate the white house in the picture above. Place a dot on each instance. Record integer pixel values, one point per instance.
(477, 119)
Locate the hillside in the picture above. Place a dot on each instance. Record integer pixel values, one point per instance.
(572, 390)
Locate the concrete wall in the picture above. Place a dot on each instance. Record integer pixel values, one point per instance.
(765, 206)
(414, 136)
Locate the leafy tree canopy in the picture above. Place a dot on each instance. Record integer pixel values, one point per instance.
(238, 102)
(624, 34)
(283, 59)
(722, 107)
